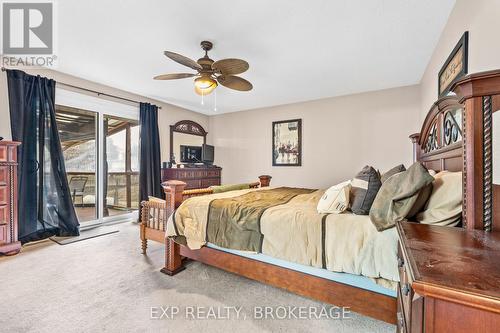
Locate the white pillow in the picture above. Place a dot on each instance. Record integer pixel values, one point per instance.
(444, 206)
(336, 199)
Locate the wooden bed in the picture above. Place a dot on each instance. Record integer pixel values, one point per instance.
(154, 214)
(455, 136)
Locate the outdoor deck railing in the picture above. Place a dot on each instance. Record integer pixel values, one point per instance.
(122, 188)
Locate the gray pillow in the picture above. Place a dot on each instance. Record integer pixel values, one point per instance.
(364, 188)
(398, 195)
(392, 172)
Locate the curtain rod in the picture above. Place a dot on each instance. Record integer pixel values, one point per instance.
(93, 91)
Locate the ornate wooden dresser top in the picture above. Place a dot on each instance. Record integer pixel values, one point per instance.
(453, 263)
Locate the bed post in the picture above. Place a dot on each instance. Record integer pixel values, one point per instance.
(265, 180)
(480, 93)
(173, 195)
(144, 218)
(416, 147)
(173, 260)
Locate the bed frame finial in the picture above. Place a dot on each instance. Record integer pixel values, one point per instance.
(265, 180)
(173, 192)
(415, 138)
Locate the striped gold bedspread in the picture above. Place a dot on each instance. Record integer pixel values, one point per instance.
(294, 231)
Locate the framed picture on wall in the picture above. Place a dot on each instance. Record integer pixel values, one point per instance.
(455, 66)
(287, 142)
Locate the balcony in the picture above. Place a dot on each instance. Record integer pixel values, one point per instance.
(122, 195)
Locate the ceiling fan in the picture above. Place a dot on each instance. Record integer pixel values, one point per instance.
(209, 72)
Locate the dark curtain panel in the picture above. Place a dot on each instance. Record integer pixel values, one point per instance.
(45, 206)
(149, 148)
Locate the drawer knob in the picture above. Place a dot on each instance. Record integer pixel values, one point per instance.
(406, 289)
(401, 262)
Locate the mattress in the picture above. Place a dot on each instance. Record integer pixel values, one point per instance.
(294, 232)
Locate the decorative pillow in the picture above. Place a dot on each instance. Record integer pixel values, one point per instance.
(229, 187)
(423, 197)
(336, 199)
(157, 200)
(398, 195)
(392, 172)
(364, 188)
(445, 203)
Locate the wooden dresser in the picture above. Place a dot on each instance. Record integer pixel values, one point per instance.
(8, 198)
(194, 177)
(450, 279)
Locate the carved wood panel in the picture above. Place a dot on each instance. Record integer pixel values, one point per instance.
(487, 164)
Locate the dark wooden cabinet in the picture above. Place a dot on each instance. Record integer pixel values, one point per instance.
(8, 198)
(194, 177)
(449, 279)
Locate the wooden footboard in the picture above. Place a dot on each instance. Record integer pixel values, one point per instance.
(154, 215)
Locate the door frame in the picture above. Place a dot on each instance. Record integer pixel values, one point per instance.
(102, 107)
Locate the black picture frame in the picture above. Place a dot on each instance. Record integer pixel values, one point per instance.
(276, 154)
(463, 44)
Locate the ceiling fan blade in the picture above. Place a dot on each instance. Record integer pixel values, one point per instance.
(234, 82)
(183, 60)
(230, 66)
(174, 76)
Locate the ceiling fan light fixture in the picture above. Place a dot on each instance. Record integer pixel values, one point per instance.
(210, 73)
(205, 84)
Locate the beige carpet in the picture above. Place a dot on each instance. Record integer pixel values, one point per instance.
(105, 284)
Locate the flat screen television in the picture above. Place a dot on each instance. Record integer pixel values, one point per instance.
(190, 154)
(207, 154)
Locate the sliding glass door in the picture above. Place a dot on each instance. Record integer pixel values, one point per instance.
(100, 141)
(78, 134)
(122, 161)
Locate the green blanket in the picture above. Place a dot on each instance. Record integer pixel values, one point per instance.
(234, 223)
(231, 187)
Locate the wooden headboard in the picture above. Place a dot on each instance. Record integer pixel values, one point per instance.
(439, 145)
(457, 136)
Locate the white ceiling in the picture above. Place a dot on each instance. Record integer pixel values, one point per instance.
(297, 50)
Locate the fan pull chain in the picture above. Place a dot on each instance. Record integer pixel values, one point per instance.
(202, 101)
(215, 101)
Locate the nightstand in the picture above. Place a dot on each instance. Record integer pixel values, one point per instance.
(449, 279)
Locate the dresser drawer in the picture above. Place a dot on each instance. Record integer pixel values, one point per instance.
(210, 182)
(406, 296)
(4, 175)
(192, 183)
(4, 233)
(410, 304)
(8, 153)
(4, 195)
(200, 173)
(4, 214)
(400, 315)
(405, 292)
(3, 154)
(213, 173)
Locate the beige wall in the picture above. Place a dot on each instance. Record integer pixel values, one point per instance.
(480, 18)
(340, 136)
(168, 114)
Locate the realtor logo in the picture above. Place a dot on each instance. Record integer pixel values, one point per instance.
(28, 28)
